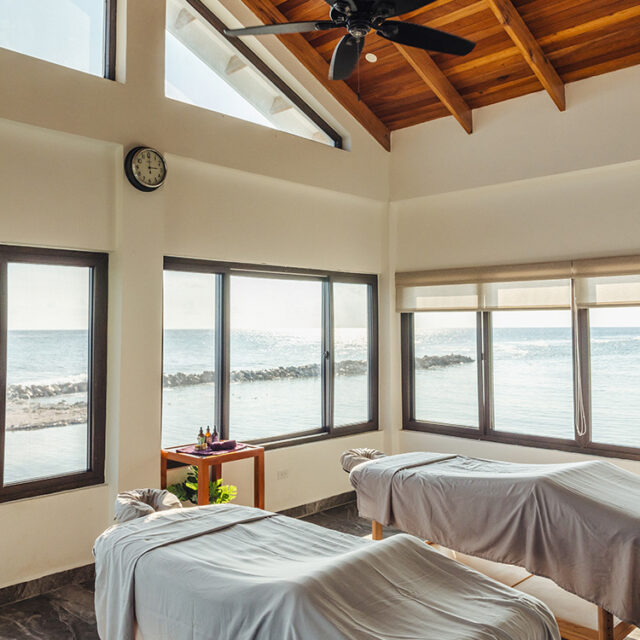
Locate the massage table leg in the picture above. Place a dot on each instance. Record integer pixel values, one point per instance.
(376, 530)
(605, 625)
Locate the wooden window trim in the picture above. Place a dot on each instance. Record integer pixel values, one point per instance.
(96, 384)
(327, 430)
(486, 431)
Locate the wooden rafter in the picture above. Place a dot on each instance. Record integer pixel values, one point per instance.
(431, 74)
(268, 13)
(518, 31)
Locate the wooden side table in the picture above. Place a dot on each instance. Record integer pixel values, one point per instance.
(216, 460)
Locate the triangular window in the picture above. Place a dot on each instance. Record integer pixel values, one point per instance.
(204, 69)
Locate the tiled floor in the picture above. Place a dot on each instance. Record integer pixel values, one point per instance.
(67, 613)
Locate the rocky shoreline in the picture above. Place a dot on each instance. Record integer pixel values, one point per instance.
(23, 415)
(434, 362)
(28, 416)
(343, 368)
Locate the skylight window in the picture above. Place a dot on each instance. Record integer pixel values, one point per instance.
(204, 69)
(71, 33)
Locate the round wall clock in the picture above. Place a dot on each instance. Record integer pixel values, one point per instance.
(145, 168)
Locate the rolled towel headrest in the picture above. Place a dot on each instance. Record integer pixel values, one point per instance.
(142, 502)
(353, 457)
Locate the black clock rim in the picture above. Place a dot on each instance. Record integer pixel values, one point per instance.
(128, 169)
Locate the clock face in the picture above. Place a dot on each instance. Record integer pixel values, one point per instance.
(148, 168)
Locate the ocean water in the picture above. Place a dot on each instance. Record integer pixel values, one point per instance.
(261, 408)
(532, 387)
(533, 381)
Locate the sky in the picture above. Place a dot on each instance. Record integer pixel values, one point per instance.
(46, 297)
(259, 303)
(190, 80)
(67, 32)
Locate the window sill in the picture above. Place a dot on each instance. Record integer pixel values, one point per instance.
(539, 442)
(47, 486)
(338, 432)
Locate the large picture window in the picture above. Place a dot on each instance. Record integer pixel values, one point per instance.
(267, 354)
(53, 359)
(79, 34)
(552, 362)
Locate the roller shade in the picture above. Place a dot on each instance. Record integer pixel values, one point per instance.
(538, 294)
(608, 291)
(488, 296)
(548, 285)
(448, 297)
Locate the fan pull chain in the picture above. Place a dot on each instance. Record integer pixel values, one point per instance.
(358, 75)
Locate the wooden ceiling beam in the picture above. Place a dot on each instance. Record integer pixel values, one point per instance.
(518, 31)
(423, 64)
(268, 13)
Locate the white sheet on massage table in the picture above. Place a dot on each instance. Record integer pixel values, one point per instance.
(577, 523)
(290, 580)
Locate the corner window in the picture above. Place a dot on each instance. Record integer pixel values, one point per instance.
(73, 33)
(248, 350)
(53, 356)
(556, 360)
(208, 70)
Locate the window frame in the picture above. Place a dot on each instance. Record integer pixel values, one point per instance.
(97, 369)
(484, 361)
(224, 271)
(208, 16)
(110, 38)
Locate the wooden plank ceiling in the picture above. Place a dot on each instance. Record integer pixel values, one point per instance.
(523, 46)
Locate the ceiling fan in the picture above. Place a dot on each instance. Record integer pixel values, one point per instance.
(359, 17)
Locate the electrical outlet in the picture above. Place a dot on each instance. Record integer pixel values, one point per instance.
(283, 474)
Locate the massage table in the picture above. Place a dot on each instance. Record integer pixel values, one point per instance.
(576, 524)
(229, 572)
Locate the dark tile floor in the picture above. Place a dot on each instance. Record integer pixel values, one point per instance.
(67, 613)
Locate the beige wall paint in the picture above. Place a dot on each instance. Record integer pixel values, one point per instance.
(521, 139)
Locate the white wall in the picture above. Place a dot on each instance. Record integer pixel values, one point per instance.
(531, 184)
(235, 191)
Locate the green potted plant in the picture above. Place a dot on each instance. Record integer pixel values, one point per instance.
(187, 491)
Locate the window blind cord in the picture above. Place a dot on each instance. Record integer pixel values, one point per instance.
(581, 417)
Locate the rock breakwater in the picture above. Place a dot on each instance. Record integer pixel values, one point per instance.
(29, 391)
(17, 392)
(433, 362)
(343, 368)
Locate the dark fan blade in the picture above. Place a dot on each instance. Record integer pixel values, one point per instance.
(282, 28)
(398, 7)
(345, 57)
(416, 35)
